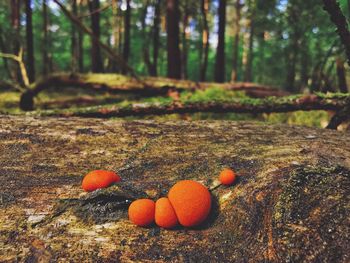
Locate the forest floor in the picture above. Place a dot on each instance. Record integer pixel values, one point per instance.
(79, 97)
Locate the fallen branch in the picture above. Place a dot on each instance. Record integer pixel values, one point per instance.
(340, 116)
(267, 105)
(116, 83)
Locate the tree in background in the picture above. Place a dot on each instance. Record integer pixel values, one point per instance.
(204, 51)
(237, 29)
(126, 46)
(173, 39)
(96, 59)
(30, 44)
(220, 51)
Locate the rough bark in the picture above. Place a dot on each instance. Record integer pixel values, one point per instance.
(220, 51)
(337, 17)
(268, 105)
(291, 200)
(173, 39)
(96, 59)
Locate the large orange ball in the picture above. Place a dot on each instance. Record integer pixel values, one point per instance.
(141, 212)
(99, 179)
(165, 215)
(191, 202)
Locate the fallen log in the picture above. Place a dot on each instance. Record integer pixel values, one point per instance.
(291, 201)
(331, 102)
(149, 86)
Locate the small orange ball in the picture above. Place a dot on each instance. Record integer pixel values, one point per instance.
(141, 212)
(191, 202)
(165, 215)
(227, 176)
(99, 179)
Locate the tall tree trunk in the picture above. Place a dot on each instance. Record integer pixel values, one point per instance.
(15, 22)
(45, 66)
(30, 42)
(342, 85)
(96, 59)
(184, 43)
(115, 28)
(234, 74)
(126, 46)
(220, 51)
(173, 39)
(74, 42)
(304, 64)
(205, 40)
(156, 30)
(292, 62)
(80, 44)
(3, 49)
(250, 53)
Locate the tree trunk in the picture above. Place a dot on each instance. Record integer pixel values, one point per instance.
(220, 51)
(156, 30)
(304, 64)
(238, 7)
(15, 22)
(184, 52)
(80, 44)
(45, 43)
(126, 46)
(3, 49)
(96, 59)
(116, 34)
(291, 191)
(173, 39)
(342, 85)
(250, 53)
(205, 40)
(74, 42)
(30, 42)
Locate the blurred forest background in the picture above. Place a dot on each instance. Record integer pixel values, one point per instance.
(290, 46)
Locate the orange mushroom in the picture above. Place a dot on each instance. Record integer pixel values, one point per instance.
(165, 215)
(191, 202)
(141, 212)
(99, 179)
(227, 176)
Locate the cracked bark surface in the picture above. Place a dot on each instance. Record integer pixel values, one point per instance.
(290, 204)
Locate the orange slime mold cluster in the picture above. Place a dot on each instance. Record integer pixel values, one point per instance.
(227, 176)
(165, 214)
(191, 202)
(99, 179)
(141, 212)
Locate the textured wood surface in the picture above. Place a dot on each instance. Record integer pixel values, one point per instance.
(290, 204)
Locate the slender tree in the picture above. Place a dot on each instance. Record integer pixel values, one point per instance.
(248, 75)
(220, 51)
(127, 20)
(80, 43)
(205, 40)
(156, 30)
(74, 42)
(15, 22)
(30, 41)
(116, 29)
(184, 53)
(46, 62)
(173, 40)
(96, 59)
(238, 7)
